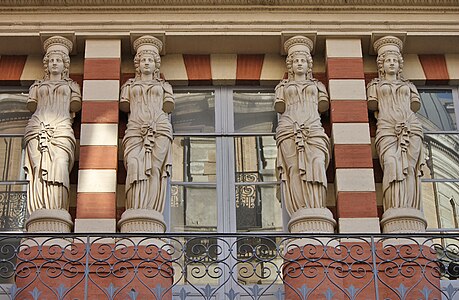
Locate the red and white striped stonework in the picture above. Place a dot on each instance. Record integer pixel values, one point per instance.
(95, 172)
(96, 191)
(354, 178)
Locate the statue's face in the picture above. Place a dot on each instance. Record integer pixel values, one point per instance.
(391, 64)
(300, 64)
(147, 64)
(55, 64)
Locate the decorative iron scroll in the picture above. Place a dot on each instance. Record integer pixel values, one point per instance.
(13, 208)
(226, 267)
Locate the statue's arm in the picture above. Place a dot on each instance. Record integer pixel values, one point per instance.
(33, 97)
(168, 101)
(124, 96)
(372, 95)
(324, 100)
(279, 103)
(75, 97)
(415, 99)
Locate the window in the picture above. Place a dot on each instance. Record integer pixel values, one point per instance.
(439, 116)
(224, 174)
(224, 152)
(13, 119)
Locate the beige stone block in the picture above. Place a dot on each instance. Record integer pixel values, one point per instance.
(33, 69)
(343, 47)
(127, 64)
(318, 65)
(351, 133)
(331, 195)
(359, 225)
(120, 195)
(273, 69)
(374, 153)
(452, 63)
(101, 90)
(96, 181)
(173, 69)
(347, 89)
(76, 65)
(369, 64)
(355, 180)
(95, 225)
(379, 194)
(99, 135)
(103, 49)
(412, 69)
(223, 67)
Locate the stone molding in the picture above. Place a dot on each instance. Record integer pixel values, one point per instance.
(141, 220)
(229, 2)
(49, 220)
(403, 220)
(312, 220)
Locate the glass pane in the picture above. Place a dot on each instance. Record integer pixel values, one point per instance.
(258, 208)
(11, 158)
(437, 110)
(194, 159)
(13, 208)
(254, 112)
(442, 156)
(441, 204)
(255, 159)
(194, 112)
(193, 208)
(14, 114)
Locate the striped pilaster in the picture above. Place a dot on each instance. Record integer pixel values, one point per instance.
(96, 191)
(354, 177)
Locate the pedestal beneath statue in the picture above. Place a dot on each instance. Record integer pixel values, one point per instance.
(142, 220)
(49, 220)
(403, 220)
(312, 220)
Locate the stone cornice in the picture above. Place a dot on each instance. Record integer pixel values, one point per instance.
(199, 4)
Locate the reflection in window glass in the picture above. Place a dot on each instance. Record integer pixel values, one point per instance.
(194, 112)
(254, 112)
(257, 206)
(193, 208)
(437, 110)
(443, 155)
(255, 158)
(194, 159)
(441, 204)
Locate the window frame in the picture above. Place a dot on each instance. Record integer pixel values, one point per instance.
(224, 135)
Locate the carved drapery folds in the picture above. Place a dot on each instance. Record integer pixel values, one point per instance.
(398, 139)
(147, 142)
(303, 146)
(49, 140)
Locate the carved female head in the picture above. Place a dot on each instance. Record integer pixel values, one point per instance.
(390, 62)
(299, 62)
(56, 62)
(147, 62)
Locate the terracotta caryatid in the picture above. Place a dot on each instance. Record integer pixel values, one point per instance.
(49, 140)
(399, 132)
(147, 143)
(303, 146)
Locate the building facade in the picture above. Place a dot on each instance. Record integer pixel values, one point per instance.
(224, 60)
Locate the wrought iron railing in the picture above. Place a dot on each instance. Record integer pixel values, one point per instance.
(227, 266)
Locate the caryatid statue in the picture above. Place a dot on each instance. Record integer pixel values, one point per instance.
(147, 142)
(49, 140)
(303, 147)
(398, 140)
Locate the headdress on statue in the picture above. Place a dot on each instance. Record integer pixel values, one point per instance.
(148, 43)
(388, 43)
(58, 44)
(298, 43)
